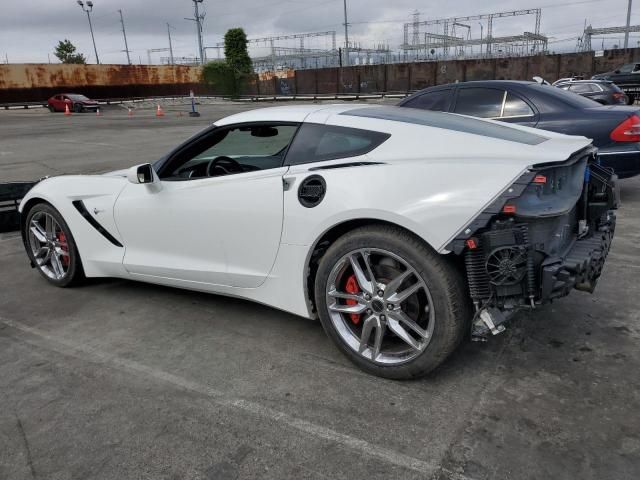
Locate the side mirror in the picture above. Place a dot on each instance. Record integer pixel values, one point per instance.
(142, 174)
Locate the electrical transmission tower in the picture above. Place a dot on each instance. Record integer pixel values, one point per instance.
(447, 38)
(589, 32)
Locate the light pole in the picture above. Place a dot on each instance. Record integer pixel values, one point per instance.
(124, 33)
(170, 44)
(346, 36)
(198, 17)
(481, 32)
(88, 10)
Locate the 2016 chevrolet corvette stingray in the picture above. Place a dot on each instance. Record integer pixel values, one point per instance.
(403, 231)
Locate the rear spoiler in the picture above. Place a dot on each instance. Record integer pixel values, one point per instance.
(10, 196)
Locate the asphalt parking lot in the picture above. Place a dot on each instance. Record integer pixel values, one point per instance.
(116, 379)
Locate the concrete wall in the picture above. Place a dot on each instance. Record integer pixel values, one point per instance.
(404, 77)
(37, 82)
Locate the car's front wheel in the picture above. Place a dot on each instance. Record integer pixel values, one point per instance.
(394, 306)
(78, 108)
(51, 247)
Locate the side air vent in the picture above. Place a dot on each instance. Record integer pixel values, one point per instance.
(312, 191)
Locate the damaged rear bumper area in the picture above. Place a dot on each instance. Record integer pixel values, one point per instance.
(549, 233)
(582, 265)
(10, 196)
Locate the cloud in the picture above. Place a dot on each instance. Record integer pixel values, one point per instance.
(29, 29)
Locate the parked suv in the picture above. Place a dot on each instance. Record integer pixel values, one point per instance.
(602, 91)
(627, 77)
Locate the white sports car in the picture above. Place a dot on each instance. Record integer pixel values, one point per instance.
(402, 230)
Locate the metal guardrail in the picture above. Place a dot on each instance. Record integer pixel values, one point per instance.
(253, 98)
(10, 196)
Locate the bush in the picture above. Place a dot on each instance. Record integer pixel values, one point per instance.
(219, 75)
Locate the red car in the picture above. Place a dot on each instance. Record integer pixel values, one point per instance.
(77, 103)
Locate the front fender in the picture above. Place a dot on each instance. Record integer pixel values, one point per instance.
(98, 194)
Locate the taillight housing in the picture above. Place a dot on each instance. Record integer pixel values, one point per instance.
(627, 131)
(619, 97)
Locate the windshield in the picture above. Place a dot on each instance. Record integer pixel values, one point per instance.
(566, 97)
(77, 97)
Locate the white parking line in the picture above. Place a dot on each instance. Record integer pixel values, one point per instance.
(65, 347)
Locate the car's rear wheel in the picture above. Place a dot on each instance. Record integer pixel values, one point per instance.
(51, 247)
(51, 108)
(395, 307)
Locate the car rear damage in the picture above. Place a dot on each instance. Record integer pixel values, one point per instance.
(547, 234)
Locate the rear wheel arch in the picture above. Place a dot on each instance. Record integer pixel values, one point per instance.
(328, 237)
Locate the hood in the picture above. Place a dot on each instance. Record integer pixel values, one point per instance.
(116, 173)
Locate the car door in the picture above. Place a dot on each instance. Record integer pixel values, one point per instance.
(215, 215)
(496, 104)
(58, 104)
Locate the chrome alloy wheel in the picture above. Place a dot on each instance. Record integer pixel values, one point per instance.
(49, 245)
(380, 306)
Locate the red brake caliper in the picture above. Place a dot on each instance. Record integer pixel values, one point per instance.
(62, 238)
(353, 288)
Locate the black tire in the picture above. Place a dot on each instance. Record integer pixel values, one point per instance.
(51, 108)
(631, 99)
(78, 108)
(444, 281)
(74, 273)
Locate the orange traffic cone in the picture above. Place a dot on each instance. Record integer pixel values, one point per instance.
(130, 113)
(98, 112)
(159, 112)
(66, 110)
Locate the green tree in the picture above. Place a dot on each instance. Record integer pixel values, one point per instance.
(235, 51)
(66, 53)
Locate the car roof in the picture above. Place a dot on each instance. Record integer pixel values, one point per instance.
(289, 113)
(584, 81)
(489, 83)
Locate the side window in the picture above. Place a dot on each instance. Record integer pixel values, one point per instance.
(232, 150)
(480, 102)
(581, 88)
(438, 101)
(317, 143)
(516, 107)
(628, 68)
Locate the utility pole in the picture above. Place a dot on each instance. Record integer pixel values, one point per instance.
(626, 32)
(88, 11)
(170, 45)
(198, 17)
(346, 36)
(124, 33)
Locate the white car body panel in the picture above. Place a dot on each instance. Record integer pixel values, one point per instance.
(245, 235)
(231, 213)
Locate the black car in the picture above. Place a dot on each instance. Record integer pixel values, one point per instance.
(615, 130)
(627, 77)
(601, 91)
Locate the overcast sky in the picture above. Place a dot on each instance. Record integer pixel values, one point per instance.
(29, 29)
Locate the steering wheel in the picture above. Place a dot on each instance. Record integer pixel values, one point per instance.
(231, 166)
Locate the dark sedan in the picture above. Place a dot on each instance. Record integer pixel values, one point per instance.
(615, 130)
(76, 102)
(601, 91)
